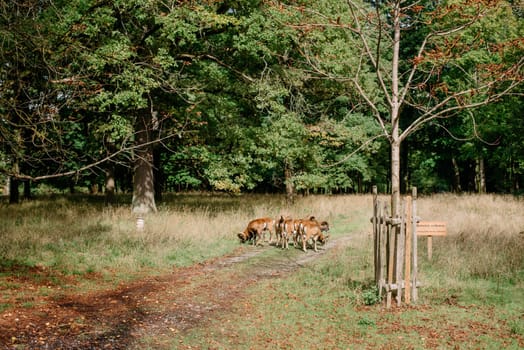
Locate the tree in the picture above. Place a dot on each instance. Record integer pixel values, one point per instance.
(251, 95)
(153, 67)
(27, 102)
(305, 121)
(131, 71)
(445, 36)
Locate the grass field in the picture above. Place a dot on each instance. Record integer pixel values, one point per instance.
(472, 295)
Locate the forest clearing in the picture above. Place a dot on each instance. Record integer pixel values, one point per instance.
(140, 139)
(77, 274)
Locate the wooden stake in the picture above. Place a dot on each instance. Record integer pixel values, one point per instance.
(407, 252)
(376, 247)
(383, 245)
(399, 261)
(415, 244)
(390, 247)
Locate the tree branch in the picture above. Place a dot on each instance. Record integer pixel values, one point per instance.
(354, 152)
(441, 111)
(124, 149)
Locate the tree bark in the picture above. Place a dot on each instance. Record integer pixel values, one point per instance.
(395, 116)
(514, 177)
(405, 174)
(457, 187)
(395, 178)
(158, 175)
(27, 189)
(480, 175)
(143, 183)
(290, 190)
(14, 192)
(110, 185)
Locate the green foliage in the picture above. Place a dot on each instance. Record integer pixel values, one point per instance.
(115, 130)
(370, 296)
(366, 321)
(425, 173)
(252, 95)
(228, 175)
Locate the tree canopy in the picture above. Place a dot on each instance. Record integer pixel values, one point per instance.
(274, 96)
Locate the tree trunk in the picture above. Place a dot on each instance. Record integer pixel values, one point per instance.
(290, 190)
(395, 142)
(395, 179)
(110, 185)
(514, 177)
(480, 175)
(143, 184)
(405, 175)
(14, 193)
(457, 187)
(27, 189)
(158, 175)
(395, 116)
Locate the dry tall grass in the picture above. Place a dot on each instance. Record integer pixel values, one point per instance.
(77, 234)
(485, 232)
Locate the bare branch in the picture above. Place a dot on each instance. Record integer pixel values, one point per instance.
(441, 111)
(422, 48)
(373, 106)
(369, 52)
(124, 149)
(358, 149)
(475, 135)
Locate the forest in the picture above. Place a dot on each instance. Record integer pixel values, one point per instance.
(295, 97)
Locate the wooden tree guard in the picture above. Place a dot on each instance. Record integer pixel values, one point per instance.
(414, 291)
(395, 250)
(407, 252)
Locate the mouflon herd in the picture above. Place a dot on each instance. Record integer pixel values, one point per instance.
(284, 229)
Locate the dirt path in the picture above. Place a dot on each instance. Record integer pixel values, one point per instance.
(174, 303)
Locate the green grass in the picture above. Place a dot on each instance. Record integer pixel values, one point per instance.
(84, 237)
(471, 295)
(324, 306)
(78, 234)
